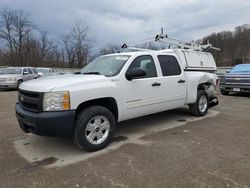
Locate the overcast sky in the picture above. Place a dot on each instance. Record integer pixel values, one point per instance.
(115, 22)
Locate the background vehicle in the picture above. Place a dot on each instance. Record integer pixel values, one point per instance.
(237, 80)
(43, 71)
(12, 77)
(115, 88)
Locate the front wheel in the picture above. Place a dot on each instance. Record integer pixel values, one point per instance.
(94, 128)
(201, 106)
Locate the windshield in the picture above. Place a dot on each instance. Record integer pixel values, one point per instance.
(11, 71)
(41, 70)
(241, 68)
(106, 65)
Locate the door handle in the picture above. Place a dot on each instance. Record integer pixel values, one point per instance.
(156, 84)
(181, 81)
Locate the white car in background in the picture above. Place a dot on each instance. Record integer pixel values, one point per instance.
(12, 77)
(43, 71)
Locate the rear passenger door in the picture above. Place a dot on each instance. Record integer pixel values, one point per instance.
(31, 75)
(174, 81)
(25, 74)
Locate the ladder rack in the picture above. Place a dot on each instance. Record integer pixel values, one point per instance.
(166, 40)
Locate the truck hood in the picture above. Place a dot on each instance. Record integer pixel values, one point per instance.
(61, 82)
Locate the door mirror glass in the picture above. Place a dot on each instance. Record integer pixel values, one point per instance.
(25, 73)
(135, 73)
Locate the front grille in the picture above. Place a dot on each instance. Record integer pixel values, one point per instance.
(31, 101)
(237, 80)
(3, 79)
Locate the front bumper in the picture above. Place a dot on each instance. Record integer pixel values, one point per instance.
(230, 87)
(46, 123)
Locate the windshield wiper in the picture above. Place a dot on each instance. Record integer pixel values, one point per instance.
(92, 73)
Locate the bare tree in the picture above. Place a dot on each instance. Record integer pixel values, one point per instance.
(6, 31)
(76, 45)
(15, 26)
(45, 47)
(110, 49)
(69, 49)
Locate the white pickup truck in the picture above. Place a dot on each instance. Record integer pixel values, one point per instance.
(114, 88)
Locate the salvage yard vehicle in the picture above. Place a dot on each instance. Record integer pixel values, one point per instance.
(118, 87)
(237, 80)
(12, 77)
(43, 71)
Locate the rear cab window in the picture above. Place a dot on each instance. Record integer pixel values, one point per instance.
(169, 65)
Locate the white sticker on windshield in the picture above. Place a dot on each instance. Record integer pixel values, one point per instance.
(124, 58)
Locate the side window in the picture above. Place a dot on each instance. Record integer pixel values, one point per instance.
(30, 71)
(169, 65)
(146, 63)
(25, 71)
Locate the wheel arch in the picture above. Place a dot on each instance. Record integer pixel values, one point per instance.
(107, 102)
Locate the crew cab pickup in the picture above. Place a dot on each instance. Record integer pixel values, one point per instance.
(114, 88)
(237, 80)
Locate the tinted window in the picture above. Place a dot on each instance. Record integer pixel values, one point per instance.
(169, 65)
(30, 71)
(146, 63)
(25, 70)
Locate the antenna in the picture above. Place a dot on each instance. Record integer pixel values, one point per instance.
(163, 38)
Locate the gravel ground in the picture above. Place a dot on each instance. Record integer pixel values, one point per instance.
(170, 149)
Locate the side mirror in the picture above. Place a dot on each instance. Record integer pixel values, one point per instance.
(25, 73)
(228, 71)
(135, 73)
(77, 72)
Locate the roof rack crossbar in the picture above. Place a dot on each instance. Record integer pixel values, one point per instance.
(165, 39)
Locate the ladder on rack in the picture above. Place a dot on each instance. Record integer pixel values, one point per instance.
(165, 39)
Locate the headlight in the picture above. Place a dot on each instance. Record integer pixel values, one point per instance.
(12, 79)
(56, 101)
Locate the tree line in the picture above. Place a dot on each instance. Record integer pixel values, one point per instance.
(22, 43)
(235, 46)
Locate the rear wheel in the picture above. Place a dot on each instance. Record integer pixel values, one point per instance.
(201, 106)
(94, 128)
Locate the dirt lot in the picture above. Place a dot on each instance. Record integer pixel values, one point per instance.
(170, 149)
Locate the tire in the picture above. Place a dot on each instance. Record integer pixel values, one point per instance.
(198, 109)
(223, 92)
(94, 128)
(18, 83)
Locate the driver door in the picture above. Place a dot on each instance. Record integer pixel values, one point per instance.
(142, 95)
